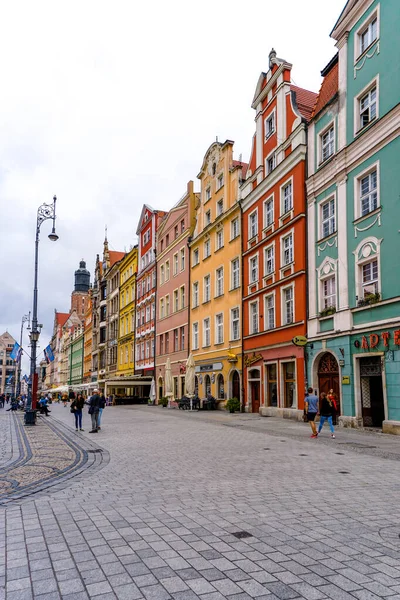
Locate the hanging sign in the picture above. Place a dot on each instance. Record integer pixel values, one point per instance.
(346, 380)
(299, 340)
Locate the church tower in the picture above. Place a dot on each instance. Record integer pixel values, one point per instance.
(80, 295)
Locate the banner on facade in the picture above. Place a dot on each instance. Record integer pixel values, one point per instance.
(48, 354)
(14, 351)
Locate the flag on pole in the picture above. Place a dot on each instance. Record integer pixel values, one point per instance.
(20, 351)
(14, 351)
(48, 353)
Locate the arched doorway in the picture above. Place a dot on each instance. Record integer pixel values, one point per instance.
(220, 387)
(254, 389)
(235, 385)
(328, 376)
(207, 385)
(196, 385)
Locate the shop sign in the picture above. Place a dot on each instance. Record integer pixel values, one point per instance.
(299, 340)
(207, 368)
(346, 380)
(249, 360)
(372, 341)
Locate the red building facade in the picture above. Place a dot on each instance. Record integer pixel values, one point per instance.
(146, 291)
(274, 245)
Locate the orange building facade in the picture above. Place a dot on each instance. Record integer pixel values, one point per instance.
(274, 246)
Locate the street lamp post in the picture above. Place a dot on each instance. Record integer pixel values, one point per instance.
(45, 211)
(25, 318)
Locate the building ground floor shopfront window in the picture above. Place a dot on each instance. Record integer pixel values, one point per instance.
(363, 369)
(274, 381)
(222, 378)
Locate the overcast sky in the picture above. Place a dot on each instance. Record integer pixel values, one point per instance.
(110, 105)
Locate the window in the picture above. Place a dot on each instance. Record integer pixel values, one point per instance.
(368, 35)
(289, 384)
(220, 239)
(328, 224)
(207, 288)
(288, 315)
(161, 344)
(182, 225)
(195, 294)
(208, 194)
(176, 301)
(253, 224)
(175, 264)
(176, 340)
(167, 306)
(220, 181)
(287, 198)
(167, 240)
(176, 232)
(182, 335)
(370, 277)
(220, 281)
(196, 257)
(206, 332)
(368, 193)
(269, 260)
(287, 250)
(368, 107)
(269, 125)
(167, 271)
(235, 273)
(220, 207)
(327, 144)
(272, 388)
(183, 297)
(220, 387)
(253, 268)
(219, 328)
(148, 349)
(207, 248)
(182, 259)
(147, 314)
(167, 343)
(208, 217)
(254, 317)
(268, 212)
(329, 292)
(269, 312)
(195, 336)
(234, 228)
(270, 164)
(235, 332)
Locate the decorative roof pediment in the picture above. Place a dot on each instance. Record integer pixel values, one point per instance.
(145, 217)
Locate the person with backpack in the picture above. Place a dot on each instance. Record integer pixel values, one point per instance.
(102, 405)
(94, 407)
(326, 410)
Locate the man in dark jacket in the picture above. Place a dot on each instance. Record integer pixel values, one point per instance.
(94, 406)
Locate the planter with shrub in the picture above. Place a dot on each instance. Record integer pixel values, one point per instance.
(233, 404)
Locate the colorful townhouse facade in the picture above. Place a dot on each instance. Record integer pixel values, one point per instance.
(88, 341)
(75, 362)
(215, 271)
(353, 220)
(127, 314)
(274, 245)
(172, 299)
(149, 223)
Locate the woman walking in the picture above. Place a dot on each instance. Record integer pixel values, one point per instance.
(333, 398)
(77, 407)
(326, 410)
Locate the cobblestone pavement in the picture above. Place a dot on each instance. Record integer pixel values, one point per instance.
(211, 506)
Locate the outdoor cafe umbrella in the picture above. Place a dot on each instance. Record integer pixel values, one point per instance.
(152, 394)
(190, 382)
(168, 381)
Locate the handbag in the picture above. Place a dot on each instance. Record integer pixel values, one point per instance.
(72, 410)
(91, 410)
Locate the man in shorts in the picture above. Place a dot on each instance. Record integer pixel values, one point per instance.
(311, 405)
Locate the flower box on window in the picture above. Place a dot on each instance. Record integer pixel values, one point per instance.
(326, 312)
(369, 299)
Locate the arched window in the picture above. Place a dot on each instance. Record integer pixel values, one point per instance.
(220, 387)
(207, 385)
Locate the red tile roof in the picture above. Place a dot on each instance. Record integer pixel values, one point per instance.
(238, 163)
(329, 87)
(62, 318)
(305, 101)
(115, 257)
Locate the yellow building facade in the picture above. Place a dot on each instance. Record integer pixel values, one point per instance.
(216, 277)
(127, 304)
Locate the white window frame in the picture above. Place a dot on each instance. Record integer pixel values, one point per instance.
(219, 282)
(232, 321)
(324, 305)
(285, 211)
(269, 132)
(373, 281)
(206, 288)
(357, 189)
(266, 249)
(253, 269)
(182, 259)
(195, 291)
(195, 335)
(233, 227)
(357, 105)
(284, 305)
(167, 270)
(196, 257)
(253, 227)
(267, 308)
(326, 130)
(235, 287)
(162, 310)
(285, 265)
(267, 201)
(176, 301)
(220, 207)
(252, 329)
(331, 199)
(207, 217)
(182, 296)
(207, 194)
(175, 263)
(219, 328)
(219, 183)
(206, 332)
(207, 248)
(219, 239)
(271, 155)
(358, 52)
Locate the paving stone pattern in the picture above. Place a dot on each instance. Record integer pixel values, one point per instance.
(158, 521)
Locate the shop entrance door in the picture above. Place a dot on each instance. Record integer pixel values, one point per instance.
(373, 410)
(236, 385)
(328, 377)
(254, 381)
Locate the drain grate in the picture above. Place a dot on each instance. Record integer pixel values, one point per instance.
(94, 451)
(341, 453)
(344, 472)
(303, 454)
(266, 448)
(242, 534)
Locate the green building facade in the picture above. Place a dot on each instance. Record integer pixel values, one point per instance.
(76, 358)
(353, 194)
